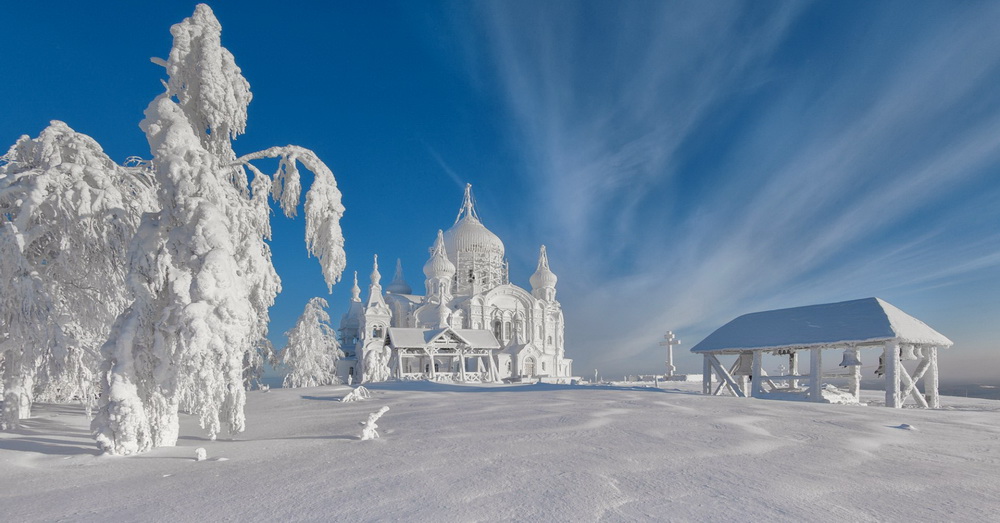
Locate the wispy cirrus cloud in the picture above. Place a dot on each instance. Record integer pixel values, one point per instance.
(695, 161)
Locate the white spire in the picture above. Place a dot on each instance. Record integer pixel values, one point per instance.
(355, 291)
(468, 208)
(399, 285)
(376, 276)
(375, 298)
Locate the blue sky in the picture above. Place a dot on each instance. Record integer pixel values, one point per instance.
(684, 162)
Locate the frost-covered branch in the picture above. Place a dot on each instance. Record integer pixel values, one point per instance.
(324, 238)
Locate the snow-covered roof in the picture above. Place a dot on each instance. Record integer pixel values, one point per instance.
(419, 338)
(858, 322)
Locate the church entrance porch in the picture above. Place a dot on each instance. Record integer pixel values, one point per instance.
(529, 368)
(443, 355)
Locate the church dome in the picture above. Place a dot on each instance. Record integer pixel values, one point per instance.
(543, 276)
(439, 266)
(469, 235)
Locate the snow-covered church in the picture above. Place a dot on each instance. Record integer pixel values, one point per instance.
(471, 324)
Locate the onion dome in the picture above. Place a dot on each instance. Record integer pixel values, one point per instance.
(543, 277)
(439, 266)
(468, 234)
(399, 285)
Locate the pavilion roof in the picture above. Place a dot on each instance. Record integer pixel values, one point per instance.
(419, 338)
(857, 322)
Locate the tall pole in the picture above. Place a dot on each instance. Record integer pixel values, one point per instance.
(669, 343)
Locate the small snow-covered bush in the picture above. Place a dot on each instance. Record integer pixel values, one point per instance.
(358, 394)
(369, 432)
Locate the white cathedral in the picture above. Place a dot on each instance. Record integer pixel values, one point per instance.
(471, 325)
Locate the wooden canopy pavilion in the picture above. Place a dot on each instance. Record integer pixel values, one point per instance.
(848, 326)
(461, 354)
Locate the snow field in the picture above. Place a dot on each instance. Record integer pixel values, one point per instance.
(536, 452)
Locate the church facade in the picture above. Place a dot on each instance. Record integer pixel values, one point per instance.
(470, 324)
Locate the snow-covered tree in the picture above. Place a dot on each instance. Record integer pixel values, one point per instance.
(67, 213)
(201, 271)
(312, 352)
(376, 364)
(254, 361)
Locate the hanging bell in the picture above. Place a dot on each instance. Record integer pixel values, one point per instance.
(744, 365)
(881, 366)
(851, 358)
(906, 353)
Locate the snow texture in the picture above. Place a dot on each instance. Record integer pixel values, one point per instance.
(523, 453)
(67, 213)
(868, 320)
(201, 272)
(310, 358)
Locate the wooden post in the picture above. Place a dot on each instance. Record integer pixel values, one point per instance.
(399, 364)
(909, 385)
(461, 363)
(815, 374)
(931, 379)
(757, 384)
(430, 365)
(494, 372)
(706, 375)
(793, 368)
(856, 379)
(890, 358)
(727, 379)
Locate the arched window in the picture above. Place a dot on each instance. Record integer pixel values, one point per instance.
(378, 331)
(496, 328)
(506, 330)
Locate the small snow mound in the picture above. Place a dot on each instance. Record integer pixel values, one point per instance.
(358, 394)
(200, 454)
(905, 426)
(221, 459)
